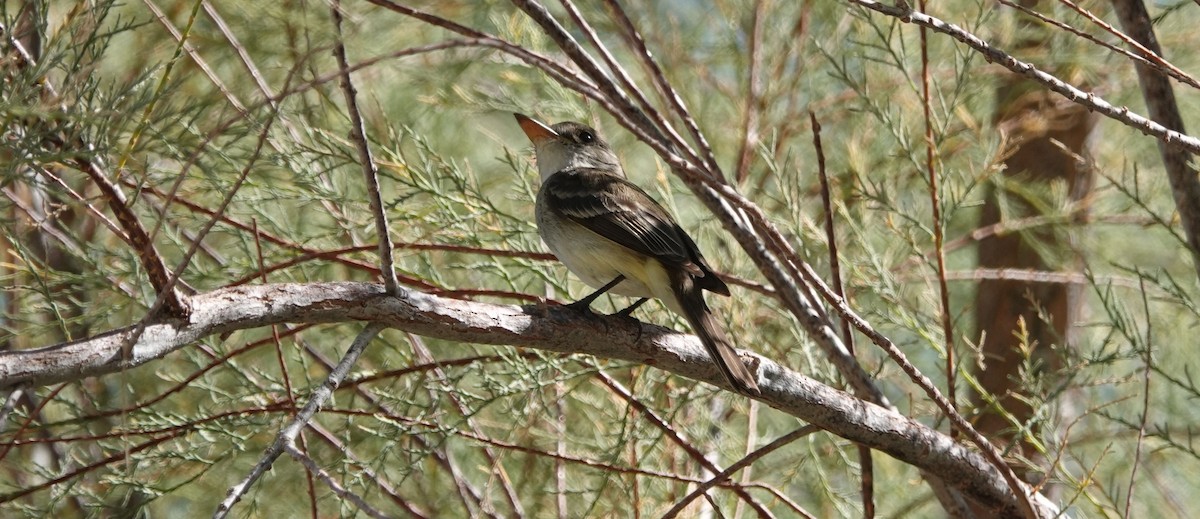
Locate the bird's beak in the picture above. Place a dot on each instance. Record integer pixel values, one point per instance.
(535, 130)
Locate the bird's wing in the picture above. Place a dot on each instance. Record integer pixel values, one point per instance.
(620, 211)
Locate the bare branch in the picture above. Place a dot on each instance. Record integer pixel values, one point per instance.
(358, 133)
(548, 328)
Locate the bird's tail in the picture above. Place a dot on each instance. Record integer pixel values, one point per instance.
(691, 305)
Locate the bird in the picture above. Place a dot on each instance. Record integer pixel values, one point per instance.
(617, 238)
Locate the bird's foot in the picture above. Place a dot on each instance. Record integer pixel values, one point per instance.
(583, 306)
(628, 311)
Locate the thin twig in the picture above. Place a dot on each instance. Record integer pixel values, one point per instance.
(287, 435)
(754, 87)
(333, 485)
(650, 416)
(1148, 359)
(659, 78)
(935, 205)
(358, 134)
(1152, 58)
(1170, 70)
(742, 463)
(864, 453)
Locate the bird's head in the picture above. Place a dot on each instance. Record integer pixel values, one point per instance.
(567, 145)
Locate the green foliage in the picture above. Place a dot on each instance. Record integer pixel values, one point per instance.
(421, 419)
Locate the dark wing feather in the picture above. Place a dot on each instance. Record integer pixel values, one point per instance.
(617, 209)
(621, 211)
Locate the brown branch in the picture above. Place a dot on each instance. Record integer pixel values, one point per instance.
(156, 269)
(935, 205)
(358, 134)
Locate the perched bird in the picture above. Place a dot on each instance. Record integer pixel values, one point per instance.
(615, 237)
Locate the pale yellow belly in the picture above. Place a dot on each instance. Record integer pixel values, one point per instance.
(597, 260)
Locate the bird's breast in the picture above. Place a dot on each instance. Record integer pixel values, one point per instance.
(594, 259)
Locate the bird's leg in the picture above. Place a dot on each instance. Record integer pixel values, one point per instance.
(584, 305)
(628, 311)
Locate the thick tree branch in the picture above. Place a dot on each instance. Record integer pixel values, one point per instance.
(547, 328)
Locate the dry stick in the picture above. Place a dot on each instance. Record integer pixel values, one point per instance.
(287, 435)
(670, 432)
(864, 452)
(1165, 133)
(1160, 100)
(935, 205)
(156, 269)
(358, 134)
(742, 463)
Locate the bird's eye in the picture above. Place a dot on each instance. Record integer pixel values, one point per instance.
(586, 137)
